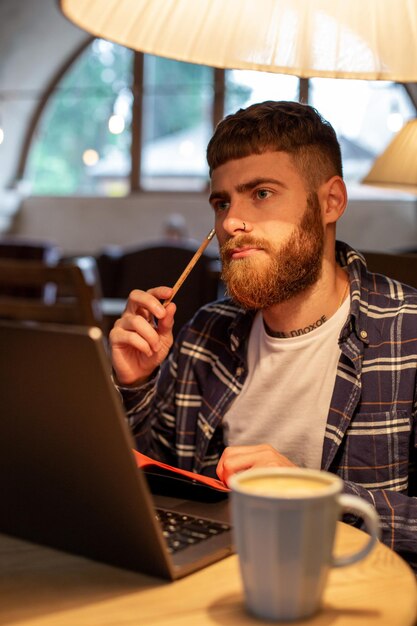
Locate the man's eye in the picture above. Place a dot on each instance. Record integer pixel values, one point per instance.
(221, 206)
(262, 194)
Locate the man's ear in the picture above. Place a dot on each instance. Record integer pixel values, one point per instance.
(333, 199)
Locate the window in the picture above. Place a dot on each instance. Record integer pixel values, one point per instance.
(365, 116)
(83, 138)
(245, 87)
(177, 123)
(104, 115)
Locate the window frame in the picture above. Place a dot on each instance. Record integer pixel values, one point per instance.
(137, 86)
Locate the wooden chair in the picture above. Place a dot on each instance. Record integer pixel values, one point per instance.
(72, 299)
(31, 249)
(160, 263)
(23, 248)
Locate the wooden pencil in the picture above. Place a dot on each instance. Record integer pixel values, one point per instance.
(190, 266)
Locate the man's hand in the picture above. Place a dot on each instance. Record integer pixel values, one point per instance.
(238, 458)
(141, 339)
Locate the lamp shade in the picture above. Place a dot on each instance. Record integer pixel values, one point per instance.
(396, 168)
(371, 39)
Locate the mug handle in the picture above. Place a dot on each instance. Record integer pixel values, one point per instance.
(364, 510)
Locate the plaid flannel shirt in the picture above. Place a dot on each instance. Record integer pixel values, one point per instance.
(370, 437)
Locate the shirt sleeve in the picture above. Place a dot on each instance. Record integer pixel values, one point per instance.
(151, 414)
(397, 515)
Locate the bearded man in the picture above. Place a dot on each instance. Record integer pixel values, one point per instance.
(311, 361)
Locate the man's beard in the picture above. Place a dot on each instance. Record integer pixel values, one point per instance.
(287, 271)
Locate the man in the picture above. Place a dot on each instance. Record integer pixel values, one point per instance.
(311, 362)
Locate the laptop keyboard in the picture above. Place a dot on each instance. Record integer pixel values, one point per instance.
(181, 531)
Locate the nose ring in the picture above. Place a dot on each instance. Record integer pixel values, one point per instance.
(244, 226)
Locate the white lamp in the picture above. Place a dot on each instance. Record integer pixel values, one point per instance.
(396, 167)
(362, 39)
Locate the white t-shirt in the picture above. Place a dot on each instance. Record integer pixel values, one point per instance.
(286, 397)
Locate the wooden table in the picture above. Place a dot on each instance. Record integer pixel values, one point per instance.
(41, 587)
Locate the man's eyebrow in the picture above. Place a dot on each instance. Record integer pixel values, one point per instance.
(219, 195)
(251, 184)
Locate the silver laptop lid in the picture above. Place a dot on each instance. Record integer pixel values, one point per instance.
(67, 475)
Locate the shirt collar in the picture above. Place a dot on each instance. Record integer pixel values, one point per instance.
(354, 263)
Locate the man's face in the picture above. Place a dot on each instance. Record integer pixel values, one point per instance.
(269, 229)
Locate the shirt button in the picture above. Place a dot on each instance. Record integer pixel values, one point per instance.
(206, 429)
(363, 334)
(239, 371)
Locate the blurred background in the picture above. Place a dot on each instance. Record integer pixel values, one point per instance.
(101, 146)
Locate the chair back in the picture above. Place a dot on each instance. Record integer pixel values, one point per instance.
(161, 263)
(402, 267)
(65, 295)
(22, 248)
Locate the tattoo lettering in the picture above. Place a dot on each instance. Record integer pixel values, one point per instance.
(299, 331)
(309, 328)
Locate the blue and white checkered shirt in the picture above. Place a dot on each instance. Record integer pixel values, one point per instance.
(370, 438)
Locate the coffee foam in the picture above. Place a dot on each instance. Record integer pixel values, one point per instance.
(284, 486)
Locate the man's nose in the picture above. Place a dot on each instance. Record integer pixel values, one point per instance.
(236, 225)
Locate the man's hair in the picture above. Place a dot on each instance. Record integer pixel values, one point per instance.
(291, 127)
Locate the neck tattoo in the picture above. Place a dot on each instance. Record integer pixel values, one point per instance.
(306, 329)
(295, 333)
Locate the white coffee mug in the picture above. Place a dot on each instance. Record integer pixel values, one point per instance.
(284, 522)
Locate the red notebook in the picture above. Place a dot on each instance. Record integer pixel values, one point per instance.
(156, 468)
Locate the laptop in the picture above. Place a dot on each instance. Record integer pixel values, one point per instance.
(68, 478)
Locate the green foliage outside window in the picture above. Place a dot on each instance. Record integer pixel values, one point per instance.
(76, 119)
(176, 93)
